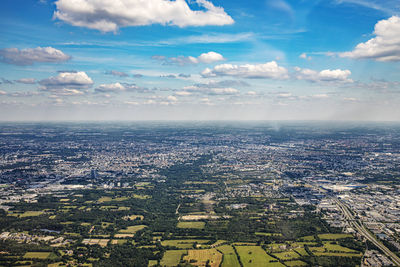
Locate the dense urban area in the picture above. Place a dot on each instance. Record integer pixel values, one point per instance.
(200, 194)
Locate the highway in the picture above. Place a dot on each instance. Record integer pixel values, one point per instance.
(363, 231)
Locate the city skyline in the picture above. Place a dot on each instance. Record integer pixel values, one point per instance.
(200, 60)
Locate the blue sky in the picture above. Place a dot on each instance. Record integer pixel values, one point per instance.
(199, 60)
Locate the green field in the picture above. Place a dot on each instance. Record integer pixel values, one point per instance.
(268, 234)
(132, 229)
(152, 263)
(201, 256)
(191, 225)
(333, 236)
(37, 255)
(183, 243)
(287, 255)
(27, 214)
(172, 257)
(229, 258)
(255, 256)
(295, 263)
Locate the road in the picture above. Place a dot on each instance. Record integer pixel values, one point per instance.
(363, 231)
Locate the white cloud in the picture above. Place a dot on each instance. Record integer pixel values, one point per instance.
(183, 93)
(209, 57)
(172, 98)
(119, 87)
(337, 75)
(3, 92)
(29, 56)
(269, 70)
(67, 82)
(26, 81)
(109, 15)
(224, 91)
(320, 96)
(384, 47)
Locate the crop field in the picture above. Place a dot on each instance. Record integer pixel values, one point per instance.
(199, 257)
(132, 229)
(191, 225)
(183, 243)
(255, 256)
(229, 258)
(172, 257)
(37, 255)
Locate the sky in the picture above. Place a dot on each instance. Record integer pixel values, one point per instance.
(112, 60)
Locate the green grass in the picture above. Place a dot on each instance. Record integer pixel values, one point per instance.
(27, 214)
(308, 238)
(141, 196)
(152, 263)
(229, 256)
(183, 243)
(172, 257)
(301, 251)
(333, 236)
(132, 229)
(37, 255)
(287, 255)
(255, 256)
(104, 199)
(191, 225)
(268, 234)
(295, 263)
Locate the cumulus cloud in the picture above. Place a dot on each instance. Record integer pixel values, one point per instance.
(29, 56)
(224, 91)
(269, 70)
(119, 87)
(26, 81)
(209, 57)
(385, 46)
(24, 94)
(183, 93)
(337, 75)
(117, 73)
(109, 15)
(211, 90)
(67, 83)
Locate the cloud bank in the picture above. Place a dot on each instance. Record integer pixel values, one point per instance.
(269, 70)
(29, 56)
(110, 15)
